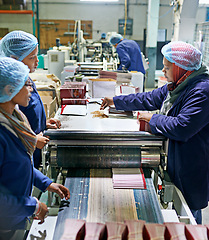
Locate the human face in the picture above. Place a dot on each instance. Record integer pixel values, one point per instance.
(23, 96)
(168, 70)
(32, 60)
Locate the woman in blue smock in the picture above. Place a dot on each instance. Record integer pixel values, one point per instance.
(17, 144)
(183, 119)
(24, 47)
(129, 53)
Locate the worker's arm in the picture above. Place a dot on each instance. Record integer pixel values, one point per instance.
(141, 101)
(189, 117)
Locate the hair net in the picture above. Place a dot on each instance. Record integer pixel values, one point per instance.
(115, 39)
(18, 43)
(13, 75)
(182, 54)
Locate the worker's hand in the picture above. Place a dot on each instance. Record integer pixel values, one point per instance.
(146, 116)
(42, 213)
(106, 102)
(61, 190)
(53, 123)
(41, 140)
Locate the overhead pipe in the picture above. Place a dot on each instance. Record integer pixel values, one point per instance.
(16, 12)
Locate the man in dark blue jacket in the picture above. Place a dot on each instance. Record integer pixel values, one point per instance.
(129, 53)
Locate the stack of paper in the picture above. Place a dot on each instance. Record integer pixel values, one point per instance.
(116, 231)
(124, 77)
(196, 232)
(153, 231)
(135, 229)
(77, 110)
(74, 229)
(94, 231)
(128, 178)
(175, 230)
(107, 74)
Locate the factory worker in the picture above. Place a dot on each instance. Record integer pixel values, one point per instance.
(24, 47)
(17, 144)
(129, 53)
(183, 118)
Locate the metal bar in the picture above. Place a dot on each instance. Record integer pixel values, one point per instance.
(90, 135)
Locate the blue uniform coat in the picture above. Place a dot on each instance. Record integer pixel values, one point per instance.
(187, 127)
(129, 54)
(37, 118)
(17, 176)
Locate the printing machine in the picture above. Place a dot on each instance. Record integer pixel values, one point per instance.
(85, 149)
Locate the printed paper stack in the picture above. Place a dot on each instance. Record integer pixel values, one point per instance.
(74, 229)
(128, 178)
(73, 98)
(135, 229)
(175, 231)
(153, 231)
(196, 232)
(124, 77)
(95, 231)
(107, 74)
(116, 231)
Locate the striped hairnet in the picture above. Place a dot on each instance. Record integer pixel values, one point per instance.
(182, 54)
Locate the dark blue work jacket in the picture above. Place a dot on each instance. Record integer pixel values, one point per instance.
(37, 118)
(17, 177)
(187, 127)
(129, 54)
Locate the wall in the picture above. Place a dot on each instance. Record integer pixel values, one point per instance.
(103, 15)
(16, 22)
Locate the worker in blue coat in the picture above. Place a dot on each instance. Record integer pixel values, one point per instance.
(129, 53)
(17, 144)
(183, 119)
(24, 47)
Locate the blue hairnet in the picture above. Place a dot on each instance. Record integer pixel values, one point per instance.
(18, 43)
(13, 75)
(182, 54)
(115, 39)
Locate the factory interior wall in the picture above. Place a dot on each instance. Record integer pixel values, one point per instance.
(16, 22)
(104, 16)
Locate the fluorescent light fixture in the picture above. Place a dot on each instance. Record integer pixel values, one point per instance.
(99, 0)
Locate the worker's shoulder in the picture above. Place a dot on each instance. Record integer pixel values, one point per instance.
(200, 84)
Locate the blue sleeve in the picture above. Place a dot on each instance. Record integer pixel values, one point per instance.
(13, 207)
(40, 180)
(192, 117)
(141, 101)
(123, 56)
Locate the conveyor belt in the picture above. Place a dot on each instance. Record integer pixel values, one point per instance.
(94, 199)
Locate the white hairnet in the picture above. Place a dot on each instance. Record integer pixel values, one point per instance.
(115, 39)
(18, 43)
(182, 54)
(13, 75)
